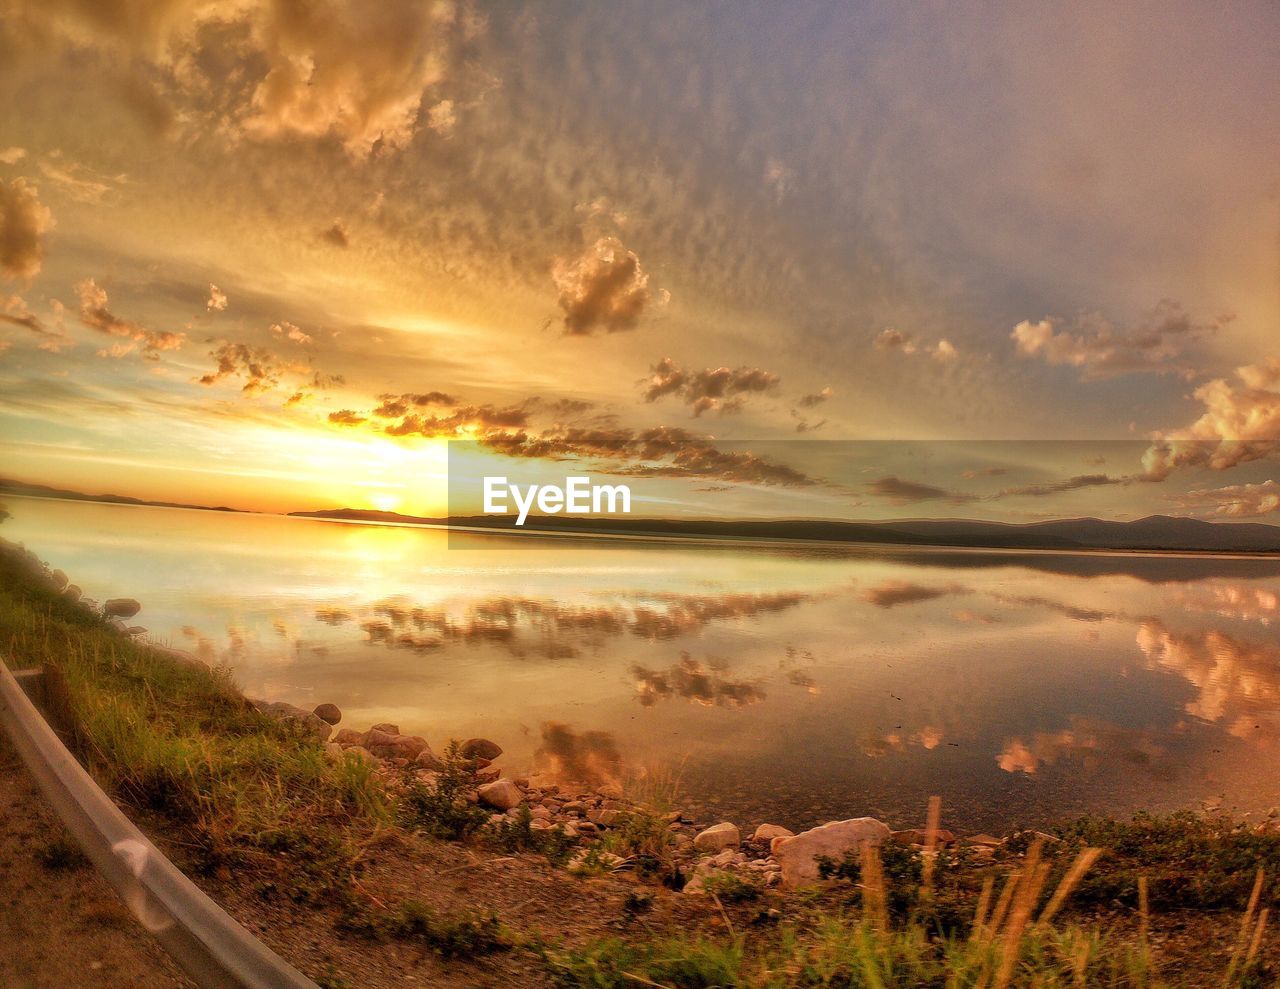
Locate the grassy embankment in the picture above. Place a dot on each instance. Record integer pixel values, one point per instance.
(238, 790)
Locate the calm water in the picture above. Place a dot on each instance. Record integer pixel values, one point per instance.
(790, 684)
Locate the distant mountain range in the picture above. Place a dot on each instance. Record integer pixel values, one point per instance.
(1154, 533)
(12, 487)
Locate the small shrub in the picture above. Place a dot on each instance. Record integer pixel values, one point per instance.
(732, 887)
(62, 855)
(460, 936)
(518, 835)
(645, 841)
(441, 809)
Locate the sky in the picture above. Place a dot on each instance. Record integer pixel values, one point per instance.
(824, 259)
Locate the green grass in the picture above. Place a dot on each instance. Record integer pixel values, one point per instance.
(237, 787)
(1189, 861)
(450, 936)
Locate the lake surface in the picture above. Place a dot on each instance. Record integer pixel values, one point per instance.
(793, 684)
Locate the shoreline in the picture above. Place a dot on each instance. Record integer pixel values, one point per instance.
(707, 539)
(485, 879)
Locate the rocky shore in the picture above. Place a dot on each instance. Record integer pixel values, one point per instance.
(581, 813)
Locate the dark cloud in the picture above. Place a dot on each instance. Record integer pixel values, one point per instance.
(346, 417)
(24, 221)
(465, 419)
(395, 406)
(336, 234)
(815, 398)
(95, 314)
(891, 339)
(603, 288)
(902, 492)
(660, 451)
(711, 388)
(1058, 487)
(260, 369)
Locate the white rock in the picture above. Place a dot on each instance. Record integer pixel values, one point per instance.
(718, 837)
(797, 854)
(501, 794)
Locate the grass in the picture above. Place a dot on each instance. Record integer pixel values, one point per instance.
(1011, 940)
(239, 790)
(450, 936)
(439, 809)
(237, 787)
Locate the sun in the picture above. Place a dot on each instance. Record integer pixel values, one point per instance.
(384, 501)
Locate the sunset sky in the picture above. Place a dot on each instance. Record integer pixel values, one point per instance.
(275, 255)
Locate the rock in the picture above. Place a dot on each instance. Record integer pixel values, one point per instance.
(72, 593)
(180, 657)
(608, 818)
(290, 713)
(984, 840)
(796, 854)
(540, 814)
(500, 794)
(121, 607)
(135, 630)
(386, 726)
(395, 746)
(59, 579)
(328, 713)
(610, 791)
(487, 775)
(348, 736)
(334, 752)
(767, 832)
(479, 748)
(117, 625)
(920, 836)
(718, 837)
(378, 736)
(427, 759)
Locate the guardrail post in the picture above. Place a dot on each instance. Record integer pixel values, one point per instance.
(46, 688)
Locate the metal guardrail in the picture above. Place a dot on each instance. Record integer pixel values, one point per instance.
(215, 951)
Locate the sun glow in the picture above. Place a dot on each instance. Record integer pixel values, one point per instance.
(384, 501)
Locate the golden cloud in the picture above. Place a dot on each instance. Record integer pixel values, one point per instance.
(604, 287)
(24, 221)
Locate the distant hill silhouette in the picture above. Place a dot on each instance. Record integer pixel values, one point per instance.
(1154, 533)
(8, 486)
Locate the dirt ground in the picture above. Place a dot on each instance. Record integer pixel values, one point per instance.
(61, 925)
